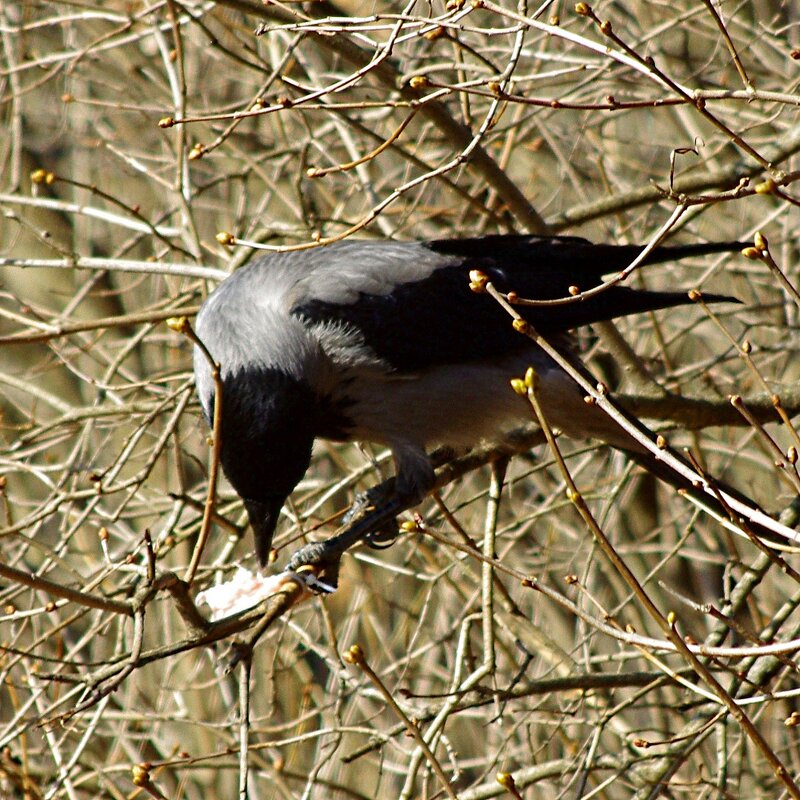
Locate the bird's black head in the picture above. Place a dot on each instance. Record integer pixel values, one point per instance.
(269, 421)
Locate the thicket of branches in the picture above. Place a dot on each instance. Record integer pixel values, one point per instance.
(133, 134)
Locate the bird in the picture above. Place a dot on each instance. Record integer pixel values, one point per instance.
(384, 341)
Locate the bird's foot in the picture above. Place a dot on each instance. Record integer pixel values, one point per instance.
(326, 560)
(372, 501)
(372, 520)
(325, 556)
(369, 501)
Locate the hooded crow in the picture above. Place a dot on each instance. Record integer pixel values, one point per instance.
(384, 341)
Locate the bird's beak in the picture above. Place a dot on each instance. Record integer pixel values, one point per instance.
(263, 516)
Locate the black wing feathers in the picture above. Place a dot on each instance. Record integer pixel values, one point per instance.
(440, 320)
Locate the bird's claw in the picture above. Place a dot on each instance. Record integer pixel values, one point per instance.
(322, 556)
(383, 537)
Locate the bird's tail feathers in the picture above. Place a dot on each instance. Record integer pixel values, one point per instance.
(675, 252)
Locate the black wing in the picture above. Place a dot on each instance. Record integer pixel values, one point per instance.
(428, 315)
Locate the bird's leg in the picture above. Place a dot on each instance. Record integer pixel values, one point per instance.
(370, 521)
(415, 478)
(372, 517)
(327, 554)
(372, 500)
(367, 501)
